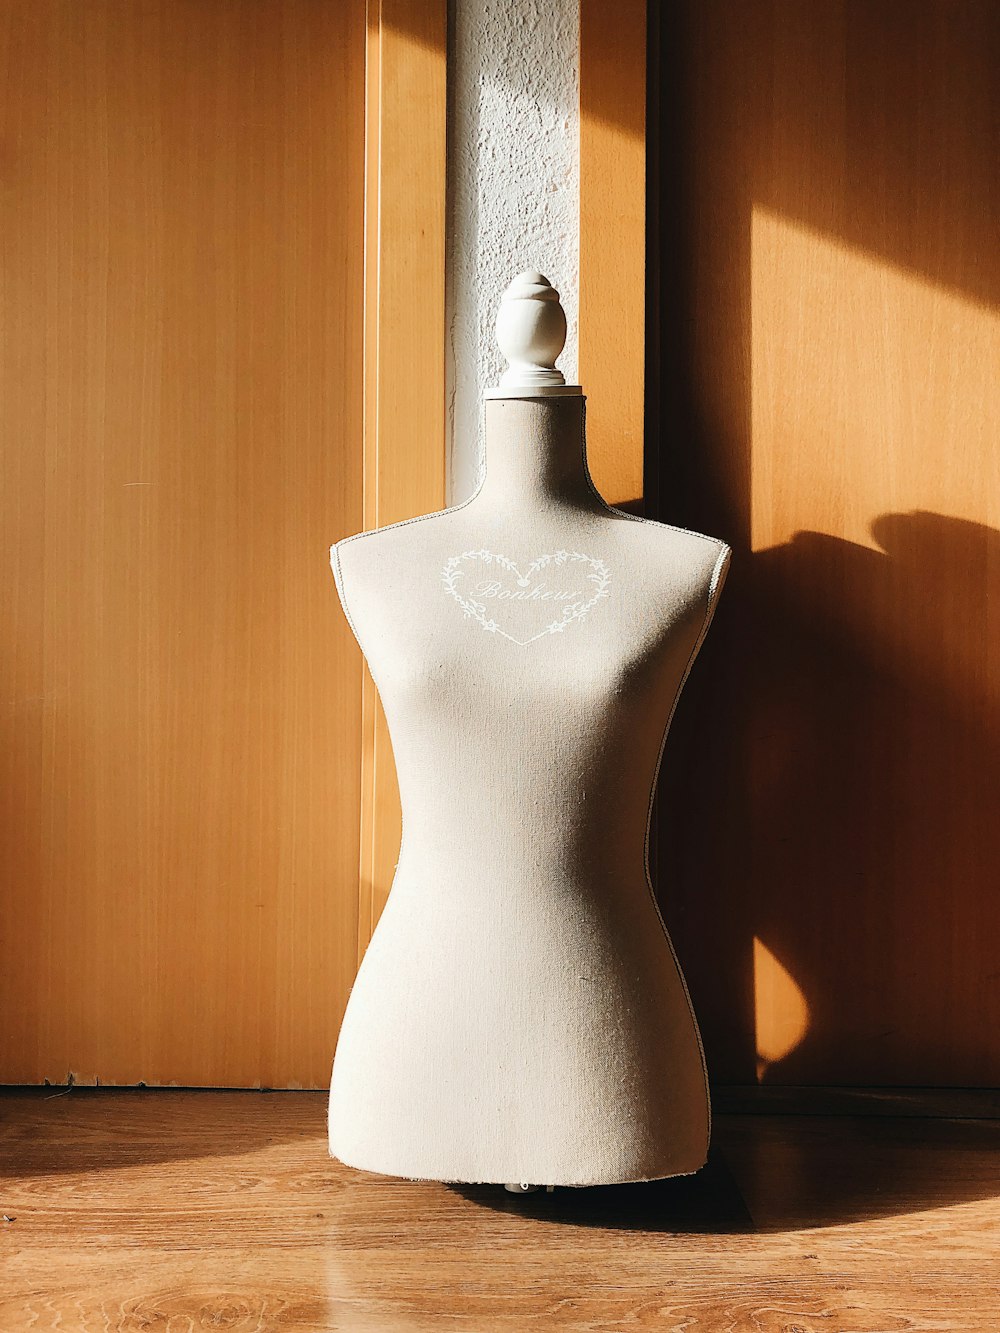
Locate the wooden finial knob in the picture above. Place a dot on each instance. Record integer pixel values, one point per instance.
(531, 331)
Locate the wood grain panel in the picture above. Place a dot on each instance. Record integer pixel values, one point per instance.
(180, 369)
(613, 243)
(831, 377)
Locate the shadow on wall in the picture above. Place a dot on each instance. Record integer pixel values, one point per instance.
(873, 733)
(828, 838)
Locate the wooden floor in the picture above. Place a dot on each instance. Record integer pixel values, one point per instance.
(167, 1212)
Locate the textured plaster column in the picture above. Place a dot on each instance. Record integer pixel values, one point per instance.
(514, 188)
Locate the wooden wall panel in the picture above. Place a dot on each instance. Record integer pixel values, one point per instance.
(181, 371)
(831, 404)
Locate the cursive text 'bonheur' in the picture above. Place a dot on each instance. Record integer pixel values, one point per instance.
(539, 593)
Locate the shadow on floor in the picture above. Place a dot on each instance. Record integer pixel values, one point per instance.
(788, 1173)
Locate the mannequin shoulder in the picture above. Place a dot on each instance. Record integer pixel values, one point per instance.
(373, 552)
(378, 567)
(680, 556)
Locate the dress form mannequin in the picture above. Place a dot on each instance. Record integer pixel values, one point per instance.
(520, 1014)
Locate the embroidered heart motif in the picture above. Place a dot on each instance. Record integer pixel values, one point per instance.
(486, 585)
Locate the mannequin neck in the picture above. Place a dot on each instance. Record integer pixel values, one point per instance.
(535, 454)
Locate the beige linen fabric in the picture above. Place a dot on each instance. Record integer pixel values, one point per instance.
(520, 1014)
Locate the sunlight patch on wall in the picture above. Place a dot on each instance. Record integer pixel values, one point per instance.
(781, 1013)
(860, 371)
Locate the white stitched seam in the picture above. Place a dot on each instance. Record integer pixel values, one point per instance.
(341, 588)
(715, 588)
(716, 584)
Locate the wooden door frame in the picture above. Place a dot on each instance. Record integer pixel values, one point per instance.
(404, 347)
(613, 279)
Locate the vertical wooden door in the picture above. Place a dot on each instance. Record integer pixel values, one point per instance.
(830, 381)
(181, 343)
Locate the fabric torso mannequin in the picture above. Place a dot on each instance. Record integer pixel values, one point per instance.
(520, 1014)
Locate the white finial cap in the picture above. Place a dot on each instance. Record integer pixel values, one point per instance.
(531, 331)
